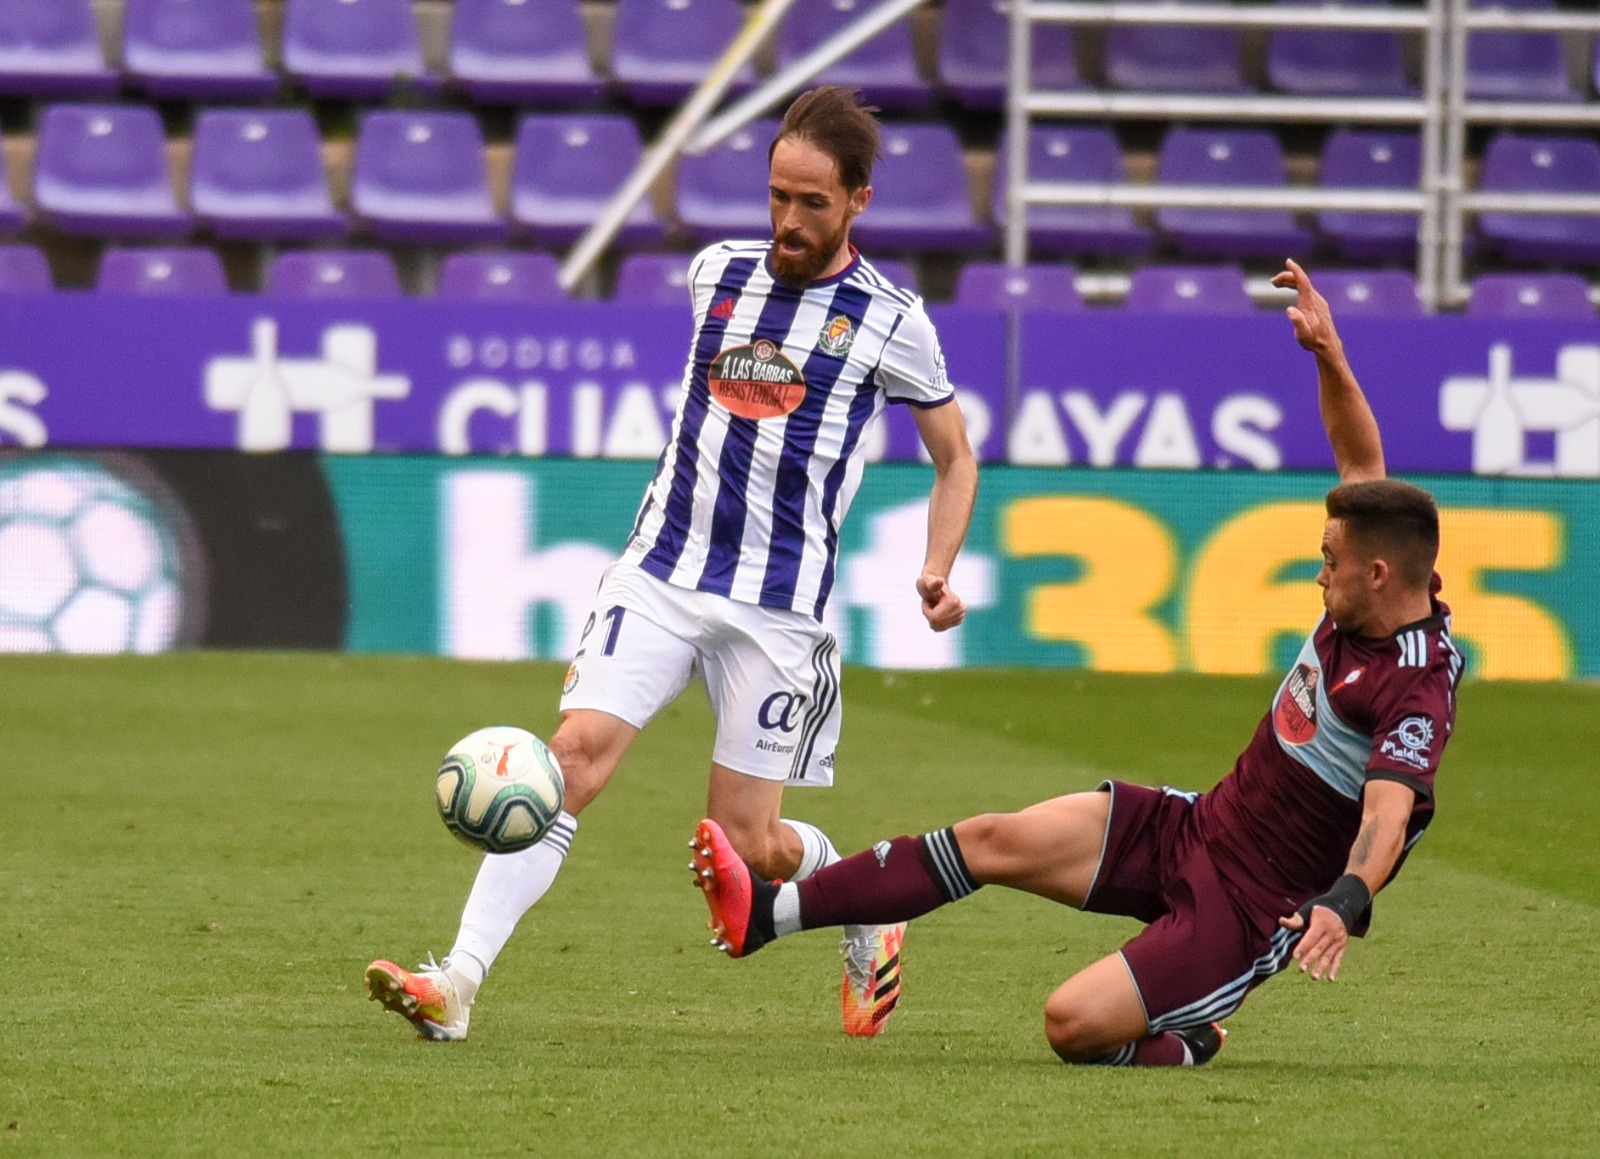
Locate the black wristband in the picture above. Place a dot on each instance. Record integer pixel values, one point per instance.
(1348, 899)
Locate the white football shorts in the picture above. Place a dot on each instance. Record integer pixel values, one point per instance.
(772, 674)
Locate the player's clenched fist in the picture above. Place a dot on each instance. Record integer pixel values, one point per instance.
(941, 606)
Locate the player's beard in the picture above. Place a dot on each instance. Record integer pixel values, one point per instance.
(807, 266)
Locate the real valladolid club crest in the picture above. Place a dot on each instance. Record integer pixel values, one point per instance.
(837, 336)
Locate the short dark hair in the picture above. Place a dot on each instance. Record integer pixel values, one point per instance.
(1393, 521)
(833, 119)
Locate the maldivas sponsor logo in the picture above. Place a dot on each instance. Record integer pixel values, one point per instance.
(1408, 742)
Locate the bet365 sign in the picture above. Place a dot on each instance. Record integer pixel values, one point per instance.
(1117, 570)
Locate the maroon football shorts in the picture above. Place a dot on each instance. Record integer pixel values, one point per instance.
(1202, 950)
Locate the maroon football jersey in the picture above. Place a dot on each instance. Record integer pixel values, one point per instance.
(1351, 709)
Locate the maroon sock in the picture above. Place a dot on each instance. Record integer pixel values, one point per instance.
(1157, 1050)
(888, 883)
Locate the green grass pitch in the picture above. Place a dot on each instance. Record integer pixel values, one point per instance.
(199, 853)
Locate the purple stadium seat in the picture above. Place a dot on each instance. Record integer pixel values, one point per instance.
(353, 48)
(504, 276)
(723, 192)
(12, 215)
(1336, 62)
(423, 177)
(896, 272)
(51, 48)
(567, 168)
(1232, 157)
(333, 274)
(1386, 293)
(919, 199)
(1517, 66)
(187, 270)
(102, 170)
(1031, 289)
(23, 270)
(1086, 153)
(1189, 290)
(654, 279)
(975, 52)
(1530, 296)
(500, 276)
(1170, 58)
(258, 173)
(522, 50)
(1515, 163)
(204, 49)
(884, 69)
(663, 49)
(1363, 159)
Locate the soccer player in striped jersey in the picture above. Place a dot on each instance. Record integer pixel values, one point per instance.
(1278, 862)
(798, 344)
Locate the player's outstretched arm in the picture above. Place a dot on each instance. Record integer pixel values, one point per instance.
(1352, 429)
(955, 490)
(1385, 810)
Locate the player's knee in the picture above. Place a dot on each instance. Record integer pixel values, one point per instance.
(983, 844)
(1074, 1033)
(580, 759)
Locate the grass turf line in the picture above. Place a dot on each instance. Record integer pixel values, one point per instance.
(201, 852)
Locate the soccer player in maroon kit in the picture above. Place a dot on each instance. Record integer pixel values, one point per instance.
(1278, 862)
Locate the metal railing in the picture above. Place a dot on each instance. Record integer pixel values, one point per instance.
(1024, 104)
(1443, 112)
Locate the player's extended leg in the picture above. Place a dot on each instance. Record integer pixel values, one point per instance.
(437, 999)
(1051, 849)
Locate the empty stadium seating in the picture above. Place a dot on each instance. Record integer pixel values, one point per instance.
(567, 167)
(102, 170)
(501, 276)
(721, 192)
(258, 173)
(1073, 153)
(357, 49)
(975, 51)
(1336, 62)
(183, 270)
(884, 69)
(1517, 66)
(422, 177)
(1514, 162)
(1031, 289)
(1385, 293)
(333, 274)
(920, 199)
(1530, 296)
(286, 121)
(662, 49)
(1189, 290)
(522, 51)
(51, 48)
(1228, 157)
(654, 279)
(195, 49)
(1370, 159)
(1169, 58)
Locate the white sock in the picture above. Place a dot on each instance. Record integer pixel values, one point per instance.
(816, 851)
(786, 910)
(507, 886)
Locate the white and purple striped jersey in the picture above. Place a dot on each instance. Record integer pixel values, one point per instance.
(765, 452)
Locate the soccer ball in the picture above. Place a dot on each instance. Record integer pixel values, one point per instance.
(90, 561)
(499, 789)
